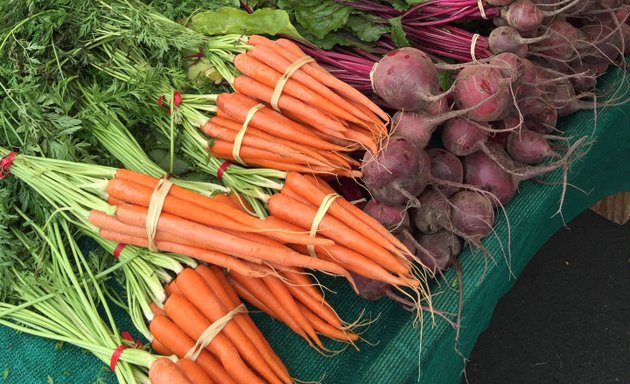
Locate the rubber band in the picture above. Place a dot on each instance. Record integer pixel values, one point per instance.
(118, 250)
(5, 164)
(118, 351)
(482, 10)
(155, 209)
(473, 46)
(116, 356)
(177, 98)
(211, 332)
(291, 69)
(238, 140)
(222, 168)
(319, 216)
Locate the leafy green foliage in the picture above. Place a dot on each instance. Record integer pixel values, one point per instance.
(236, 21)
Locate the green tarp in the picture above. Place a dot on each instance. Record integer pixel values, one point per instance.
(391, 353)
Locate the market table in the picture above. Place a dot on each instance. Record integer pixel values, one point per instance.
(392, 352)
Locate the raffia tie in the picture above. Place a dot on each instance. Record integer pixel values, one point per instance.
(291, 69)
(238, 140)
(319, 216)
(211, 332)
(155, 210)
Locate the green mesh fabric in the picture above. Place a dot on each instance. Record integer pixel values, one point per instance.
(395, 353)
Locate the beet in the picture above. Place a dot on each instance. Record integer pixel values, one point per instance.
(398, 173)
(446, 166)
(406, 79)
(472, 214)
(484, 173)
(433, 213)
(462, 137)
(529, 147)
(369, 289)
(523, 15)
(482, 87)
(438, 250)
(391, 217)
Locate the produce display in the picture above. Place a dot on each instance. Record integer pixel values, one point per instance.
(186, 168)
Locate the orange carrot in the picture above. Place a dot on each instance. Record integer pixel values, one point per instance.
(171, 336)
(193, 372)
(164, 371)
(226, 243)
(259, 71)
(160, 348)
(282, 293)
(325, 328)
(228, 123)
(366, 141)
(173, 288)
(321, 308)
(237, 106)
(155, 309)
(193, 323)
(312, 116)
(197, 291)
(212, 257)
(286, 209)
(253, 300)
(220, 146)
(264, 294)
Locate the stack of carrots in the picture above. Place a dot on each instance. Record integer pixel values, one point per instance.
(308, 117)
(206, 326)
(361, 244)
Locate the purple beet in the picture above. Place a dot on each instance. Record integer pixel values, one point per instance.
(446, 166)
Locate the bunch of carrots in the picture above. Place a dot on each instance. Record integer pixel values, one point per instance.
(291, 114)
(235, 351)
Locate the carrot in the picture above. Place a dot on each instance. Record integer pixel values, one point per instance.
(217, 281)
(171, 336)
(259, 71)
(301, 279)
(173, 288)
(220, 146)
(138, 194)
(114, 201)
(264, 294)
(228, 123)
(197, 291)
(287, 208)
(193, 323)
(359, 264)
(282, 293)
(212, 257)
(289, 166)
(226, 243)
(160, 348)
(253, 300)
(321, 308)
(193, 372)
(155, 309)
(164, 371)
(312, 116)
(209, 203)
(366, 141)
(314, 192)
(267, 55)
(293, 52)
(325, 328)
(237, 106)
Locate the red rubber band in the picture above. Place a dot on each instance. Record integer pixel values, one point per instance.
(127, 336)
(116, 356)
(222, 169)
(5, 164)
(177, 98)
(160, 100)
(118, 250)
